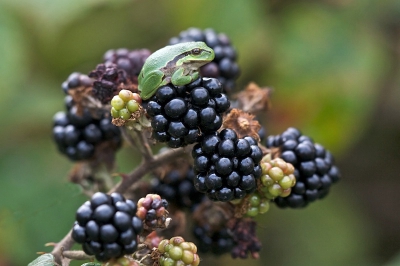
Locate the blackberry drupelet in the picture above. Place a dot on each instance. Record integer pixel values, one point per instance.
(152, 210)
(178, 189)
(107, 78)
(180, 115)
(227, 166)
(78, 135)
(131, 61)
(315, 171)
(176, 251)
(107, 227)
(224, 66)
(76, 80)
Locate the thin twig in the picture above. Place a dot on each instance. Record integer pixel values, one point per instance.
(138, 141)
(76, 255)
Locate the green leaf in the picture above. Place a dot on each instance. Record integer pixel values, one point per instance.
(44, 260)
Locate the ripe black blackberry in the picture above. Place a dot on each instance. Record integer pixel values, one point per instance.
(177, 188)
(131, 61)
(218, 243)
(315, 171)
(107, 227)
(227, 166)
(107, 77)
(224, 66)
(181, 114)
(77, 135)
(76, 80)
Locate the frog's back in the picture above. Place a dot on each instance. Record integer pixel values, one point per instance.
(161, 57)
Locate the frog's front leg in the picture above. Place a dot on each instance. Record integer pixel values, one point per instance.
(179, 79)
(150, 83)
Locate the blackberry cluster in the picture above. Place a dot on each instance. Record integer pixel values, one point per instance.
(107, 227)
(153, 211)
(124, 104)
(218, 243)
(107, 77)
(181, 114)
(176, 251)
(315, 171)
(131, 61)
(278, 178)
(227, 166)
(77, 135)
(224, 66)
(76, 80)
(178, 189)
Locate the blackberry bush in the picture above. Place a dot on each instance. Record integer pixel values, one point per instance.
(107, 226)
(227, 167)
(217, 177)
(224, 66)
(315, 171)
(180, 115)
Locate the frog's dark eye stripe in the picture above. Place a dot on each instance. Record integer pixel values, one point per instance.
(196, 51)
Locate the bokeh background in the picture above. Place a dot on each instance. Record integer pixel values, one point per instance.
(335, 69)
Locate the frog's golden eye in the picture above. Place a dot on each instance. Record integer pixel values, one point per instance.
(196, 51)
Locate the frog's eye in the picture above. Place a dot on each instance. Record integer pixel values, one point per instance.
(196, 51)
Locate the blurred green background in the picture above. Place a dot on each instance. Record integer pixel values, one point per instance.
(335, 69)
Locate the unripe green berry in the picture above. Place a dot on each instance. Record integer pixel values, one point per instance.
(275, 190)
(124, 114)
(114, 112)
(286, 192)
(117, 103)
(253, 211)
(167, 262)
(276, 173)
(254, 200)
(264, 207)
(286, 182)
(161, 246)
(125, 95)
(267, 180)
(132, 106)
(175, 253)
(187, 256)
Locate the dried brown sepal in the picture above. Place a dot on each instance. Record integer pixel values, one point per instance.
(213, 214)
(242, 123)
(135, 118)
(242, 207)
(254, 99)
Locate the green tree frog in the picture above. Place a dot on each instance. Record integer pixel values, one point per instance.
(177, 64)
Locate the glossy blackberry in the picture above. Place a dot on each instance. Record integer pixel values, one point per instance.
(77, 136)
(315, 171)
(180, 115)
(177, 188)
(152, 210)
(131, 61)
(107, 227)
(176, 251)
(76, 80)
(227, 166)
(107, 77)
(218, 243)
(224, 66)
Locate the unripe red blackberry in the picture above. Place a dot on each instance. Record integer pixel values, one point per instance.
(315, 171)
(180, 115)
(107, 227)
(78, 135)
(131, 61)
(176, 251)
(152, 210)
(107, 77)
(227, 166)
(224, 66)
